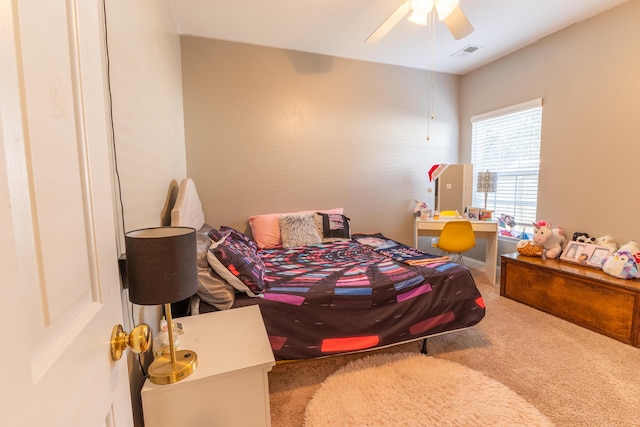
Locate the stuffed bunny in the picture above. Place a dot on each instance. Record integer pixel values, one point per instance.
(551, 239)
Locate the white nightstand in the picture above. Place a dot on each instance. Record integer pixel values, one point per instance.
(230, 385)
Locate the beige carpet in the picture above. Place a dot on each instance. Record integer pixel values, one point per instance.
(572, 375)
(408, 389)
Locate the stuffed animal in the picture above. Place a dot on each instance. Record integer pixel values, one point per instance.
(624, 263)
(632, 246)
(422, 209)
(608, 242)
(582, 237)
(551, 239)
(529, 248)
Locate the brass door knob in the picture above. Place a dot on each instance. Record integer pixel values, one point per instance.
(139, 340)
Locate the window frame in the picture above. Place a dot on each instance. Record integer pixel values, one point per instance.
(527, 207)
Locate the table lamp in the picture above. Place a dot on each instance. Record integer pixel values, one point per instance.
(487, 183)
(162, 269)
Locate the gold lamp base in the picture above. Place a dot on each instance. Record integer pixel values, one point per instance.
(164, 371)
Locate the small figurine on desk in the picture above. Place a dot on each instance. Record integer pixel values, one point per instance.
(422, 209)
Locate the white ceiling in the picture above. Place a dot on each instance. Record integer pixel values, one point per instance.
(340, 27)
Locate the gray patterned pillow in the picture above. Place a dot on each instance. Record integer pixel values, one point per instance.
(298, 230)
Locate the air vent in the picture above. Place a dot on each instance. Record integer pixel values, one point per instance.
(466, 51)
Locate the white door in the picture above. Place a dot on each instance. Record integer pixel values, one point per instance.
(59, 291)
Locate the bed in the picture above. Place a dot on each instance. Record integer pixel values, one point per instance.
(330, 291)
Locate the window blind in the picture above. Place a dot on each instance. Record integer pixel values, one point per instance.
(507, 141)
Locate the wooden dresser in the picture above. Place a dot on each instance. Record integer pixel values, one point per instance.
(585, 296)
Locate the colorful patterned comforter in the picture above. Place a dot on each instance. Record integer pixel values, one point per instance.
(345, 297)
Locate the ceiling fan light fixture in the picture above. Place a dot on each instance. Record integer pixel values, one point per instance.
(419, 19)
(422, 7)
(448, 12)
(445, 8)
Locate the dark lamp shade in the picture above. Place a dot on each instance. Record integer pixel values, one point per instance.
(161, 265)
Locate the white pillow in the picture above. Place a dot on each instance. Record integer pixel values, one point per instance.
(187, 210)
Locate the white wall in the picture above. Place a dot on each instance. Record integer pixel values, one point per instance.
(146, 83)
(588, 78)
(146, 86)
(274, 130)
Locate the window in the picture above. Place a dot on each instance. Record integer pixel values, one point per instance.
(507, 141)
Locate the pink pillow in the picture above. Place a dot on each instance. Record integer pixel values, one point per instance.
(266, 228)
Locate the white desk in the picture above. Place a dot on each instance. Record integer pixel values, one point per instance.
(486, 230)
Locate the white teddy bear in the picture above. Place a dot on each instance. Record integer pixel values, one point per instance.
(632, 246)
(608, 242)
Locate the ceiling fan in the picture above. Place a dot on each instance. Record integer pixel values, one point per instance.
(448, 11)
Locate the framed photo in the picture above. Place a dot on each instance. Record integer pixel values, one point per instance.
(585, 254)
(473, 214)
(486, 215)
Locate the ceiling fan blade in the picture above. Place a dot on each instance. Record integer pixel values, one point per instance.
(458, 24)
(390, 22)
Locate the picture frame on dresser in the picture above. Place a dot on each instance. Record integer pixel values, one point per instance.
(585, 254)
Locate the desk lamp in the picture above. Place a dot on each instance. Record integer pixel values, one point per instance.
(162, 269)
(487, 183)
